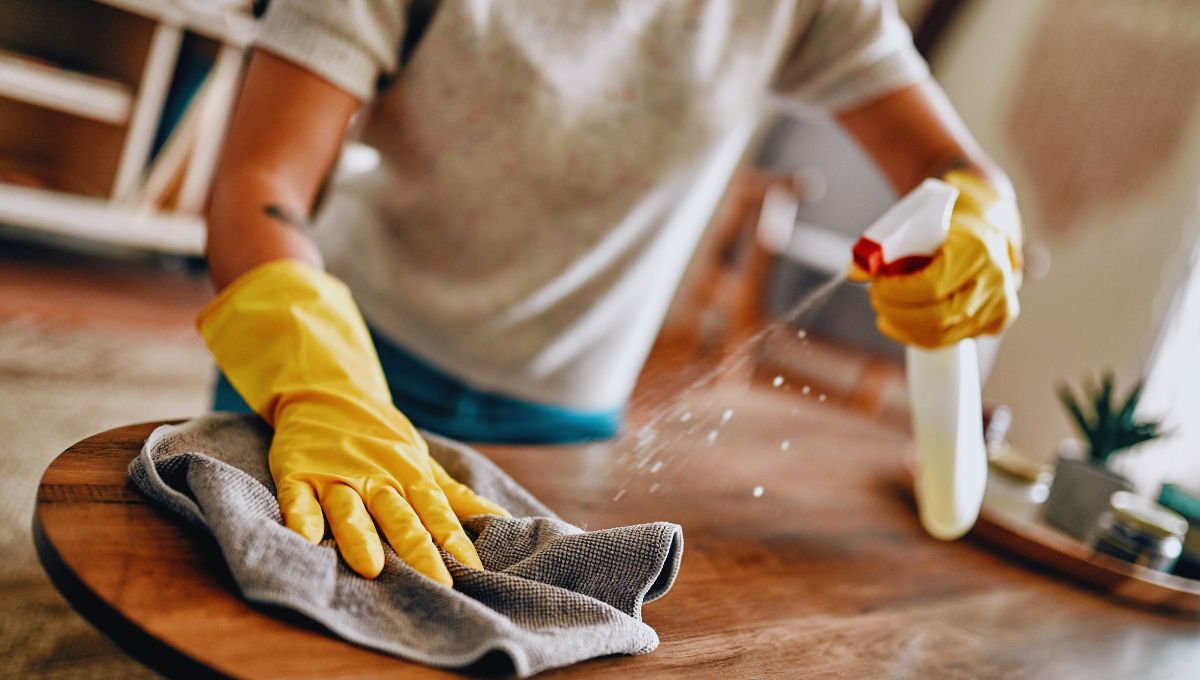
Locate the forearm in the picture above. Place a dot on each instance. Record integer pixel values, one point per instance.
(285, 136)
(253, 220)
(915, 133)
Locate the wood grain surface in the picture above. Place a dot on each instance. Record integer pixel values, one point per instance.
(801, 560)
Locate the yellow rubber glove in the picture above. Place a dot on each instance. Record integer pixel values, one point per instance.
(291, 340)
(970, 286)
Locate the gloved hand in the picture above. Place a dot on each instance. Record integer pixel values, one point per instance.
(970, 286)
(291, 340)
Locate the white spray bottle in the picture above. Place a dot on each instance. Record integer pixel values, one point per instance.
(943, 384)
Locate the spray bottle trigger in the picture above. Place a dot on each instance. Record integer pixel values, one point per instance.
(868, 256)
(904, 239)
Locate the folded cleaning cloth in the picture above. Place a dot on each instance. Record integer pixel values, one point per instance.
(551, 594)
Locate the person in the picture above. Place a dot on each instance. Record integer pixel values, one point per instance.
(545, 170)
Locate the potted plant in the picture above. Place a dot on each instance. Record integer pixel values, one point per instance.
(1083, 481)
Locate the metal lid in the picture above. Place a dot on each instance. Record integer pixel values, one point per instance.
(1147, 516)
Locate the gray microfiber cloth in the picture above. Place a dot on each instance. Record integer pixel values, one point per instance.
(551, 594)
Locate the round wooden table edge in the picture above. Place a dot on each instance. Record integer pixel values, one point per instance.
(131, 638)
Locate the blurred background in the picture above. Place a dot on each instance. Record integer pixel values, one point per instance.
(112, 114)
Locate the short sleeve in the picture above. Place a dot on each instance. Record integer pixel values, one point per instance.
(350, 43)
(851, 51)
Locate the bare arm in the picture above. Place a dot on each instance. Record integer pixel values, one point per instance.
(915, 133)
(285, 136)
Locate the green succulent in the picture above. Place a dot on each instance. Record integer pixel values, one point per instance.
(1109, 428)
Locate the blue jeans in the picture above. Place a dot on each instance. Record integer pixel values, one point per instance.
(441, 403)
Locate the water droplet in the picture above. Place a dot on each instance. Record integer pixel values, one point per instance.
(785, 445)
(618, 496)
(801, 334)
(758, 492)
(687, 415)
(712, 436)
(821, 397)
(777, 381)
(656, 467)
(654, 487)
(726, 416)
(805, 390)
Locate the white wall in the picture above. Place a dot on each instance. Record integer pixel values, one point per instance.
(1103, 301)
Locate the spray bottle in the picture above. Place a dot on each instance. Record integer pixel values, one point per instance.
(943, 384)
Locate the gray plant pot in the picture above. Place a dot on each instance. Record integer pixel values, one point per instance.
(1080, 492)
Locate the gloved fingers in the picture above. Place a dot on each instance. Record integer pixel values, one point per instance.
(920, 326)
(440, 521)
(353, 529)
(989, 306)
(463, 501)
(407, 536)
(995, 317)
(991, 319)
(1000, 313)
(968, 313)
(957, 264)
(300, 509)
(988, 240)
(927, 325)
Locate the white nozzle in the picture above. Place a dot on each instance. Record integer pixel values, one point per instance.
(915, 226)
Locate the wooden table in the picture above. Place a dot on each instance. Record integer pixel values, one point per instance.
(821, 572)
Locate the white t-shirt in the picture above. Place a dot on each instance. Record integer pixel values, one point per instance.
(548, 166)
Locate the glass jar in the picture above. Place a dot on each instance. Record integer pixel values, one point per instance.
(1138, 530)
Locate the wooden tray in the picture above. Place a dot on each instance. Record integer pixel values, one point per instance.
(1027, 536)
